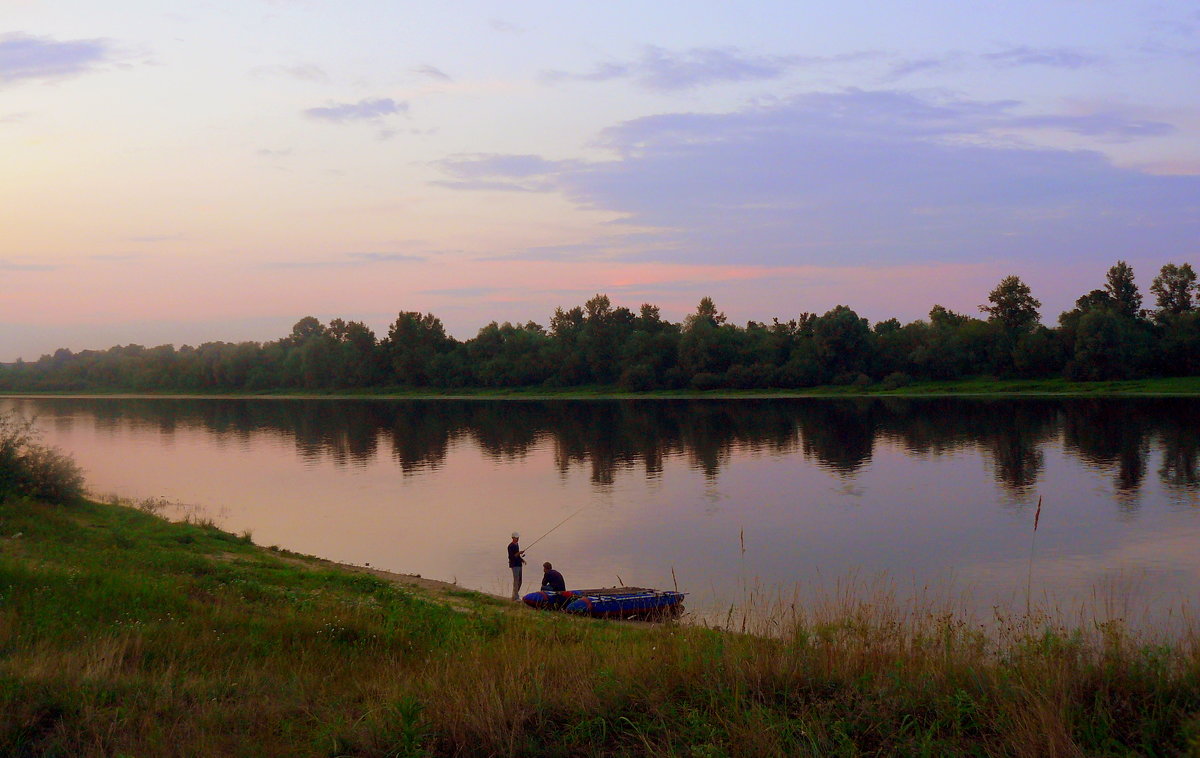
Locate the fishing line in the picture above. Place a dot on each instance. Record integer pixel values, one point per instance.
(560, 523)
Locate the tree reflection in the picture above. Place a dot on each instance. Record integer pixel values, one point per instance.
(840, 435)
(1180, 451)
(607, 437)
(1013, 434)
(1111, 436)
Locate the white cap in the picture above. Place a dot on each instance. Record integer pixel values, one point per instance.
(516, 535)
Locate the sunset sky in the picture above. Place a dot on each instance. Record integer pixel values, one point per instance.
(218, 171)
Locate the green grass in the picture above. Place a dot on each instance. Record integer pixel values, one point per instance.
(975, 386)
(123, 634)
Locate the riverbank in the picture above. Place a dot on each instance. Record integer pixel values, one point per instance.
(1162, 387)
(122, 633)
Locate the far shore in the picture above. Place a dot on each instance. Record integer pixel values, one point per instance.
(980, 387)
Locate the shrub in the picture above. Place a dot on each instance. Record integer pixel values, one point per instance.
(741, 376)
(896, 380)
(637, 378)
(30, 468)
(852, 378)
(707, 381)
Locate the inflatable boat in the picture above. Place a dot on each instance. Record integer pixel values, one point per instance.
(610, 602)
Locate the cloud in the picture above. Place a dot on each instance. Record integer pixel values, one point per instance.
(351, 259)
(433, 73)
(363, 110)
(569, 253)
(607, 248)
(156, 238)
(1058, 57)
(1110, 124)
(464, 292)
(6, 265)
(481, 164)
(866, 178)
(918, 65)
(26, 57)
(384, 257)
(481, 185)
(666, 71)
(522, 173)
(501, 25)
(307, 72)
(1013, 57)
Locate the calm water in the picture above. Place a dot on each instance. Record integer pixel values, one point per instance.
(771, 496)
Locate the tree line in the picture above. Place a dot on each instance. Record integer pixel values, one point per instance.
(1107, 335)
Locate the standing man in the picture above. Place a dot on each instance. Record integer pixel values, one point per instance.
(516, 559)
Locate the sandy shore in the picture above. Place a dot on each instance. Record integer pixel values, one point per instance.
(448, 592)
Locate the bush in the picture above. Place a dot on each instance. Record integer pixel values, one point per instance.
(637, 378)
(707, 381)
(896, 380)
(852, 378)
(743, 377)
(32, 469)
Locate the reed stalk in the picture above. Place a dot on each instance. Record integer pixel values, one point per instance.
(1032, 541)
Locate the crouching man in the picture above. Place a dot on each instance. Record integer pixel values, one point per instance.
(552, 581)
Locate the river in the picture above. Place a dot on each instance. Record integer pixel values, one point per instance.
(735, 501)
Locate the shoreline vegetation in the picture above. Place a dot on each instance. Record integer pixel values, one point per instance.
(123, 633)
(1107, 337)
(981, 386)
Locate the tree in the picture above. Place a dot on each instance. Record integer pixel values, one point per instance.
(1173, 290)
(566, 333)
(357, 361)
(316, 362)
(305, 329)
(708, 346)
(1013, 305)
(1122, 290)
(1106, 346)
(650, 352)
(1095, 300)
(604, 330)
(842, 340)
(412, 343)
(650, 320)
(941, 317)
(507, 355)
(1180, 345)
(706, 315)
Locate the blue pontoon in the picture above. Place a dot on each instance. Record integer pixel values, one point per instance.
(611, 602)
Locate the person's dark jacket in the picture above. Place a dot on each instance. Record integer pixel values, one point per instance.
(552, 581)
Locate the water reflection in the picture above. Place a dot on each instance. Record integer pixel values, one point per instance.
(840, 436)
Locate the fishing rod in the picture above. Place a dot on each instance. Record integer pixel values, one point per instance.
(560, 523)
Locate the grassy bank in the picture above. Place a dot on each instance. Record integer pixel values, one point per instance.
(1172, 386)
(123, 634)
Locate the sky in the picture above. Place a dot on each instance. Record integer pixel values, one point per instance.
(217, 170)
